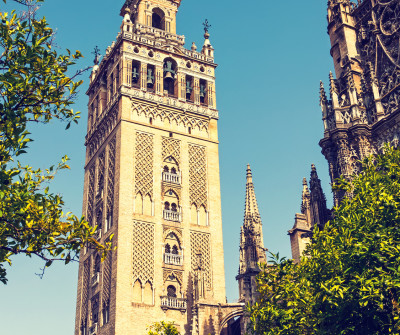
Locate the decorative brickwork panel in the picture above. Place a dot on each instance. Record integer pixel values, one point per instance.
(90, 201)
(197, 176)
(169, 274)
(171, 147)
(143, 252)
(144, 164)
(111, 176)
(85, 288)
(152, 110)
(107, 277)
(201, 255)
(101, 171)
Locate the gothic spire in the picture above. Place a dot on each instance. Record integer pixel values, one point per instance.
(252, 251)
(252, 246)
(319, 211)
(251, 207)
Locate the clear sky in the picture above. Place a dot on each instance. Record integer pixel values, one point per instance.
(271, 56)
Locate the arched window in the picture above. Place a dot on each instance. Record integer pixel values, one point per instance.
(175, 250)
(170, 68)
(171, 291)
(166, 169)
(173, 170)
(166, 206)
(158, 19)
(174, 207)
(167, 249)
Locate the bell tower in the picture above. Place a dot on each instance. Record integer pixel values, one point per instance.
(152, 180)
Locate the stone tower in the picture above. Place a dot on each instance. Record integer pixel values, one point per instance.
(252, 249)
(152, 180)
(362, 112)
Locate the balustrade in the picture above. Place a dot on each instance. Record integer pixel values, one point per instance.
(173, 259)
(96, 278)
(93, 329)
(172, 215)
(173, 178)
(174, 303)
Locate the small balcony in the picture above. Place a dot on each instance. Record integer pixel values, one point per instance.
(96, 279)
(171, 215)
(93, 329)
(173, 259)
(173, 303)
(173, 178)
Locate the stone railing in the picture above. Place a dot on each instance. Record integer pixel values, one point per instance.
(95, 279)
(171, 215)
(173, 303)
(159, 33)
(173, 178)
(173, 259)
(93, 329)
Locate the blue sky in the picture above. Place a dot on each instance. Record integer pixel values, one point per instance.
(271, 56)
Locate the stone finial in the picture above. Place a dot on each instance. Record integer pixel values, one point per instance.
(332, 82)
(322, 93)
(127, 14)
(96, 53)
(194, 47)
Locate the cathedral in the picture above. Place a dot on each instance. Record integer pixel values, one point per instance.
(152, 175)
(362, 112)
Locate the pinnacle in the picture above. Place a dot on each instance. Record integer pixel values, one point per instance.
(251, 207)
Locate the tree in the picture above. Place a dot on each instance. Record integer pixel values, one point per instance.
(163, 328)
(35, 87)
(349, 280)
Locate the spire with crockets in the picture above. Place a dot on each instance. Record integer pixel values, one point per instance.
(252, 251)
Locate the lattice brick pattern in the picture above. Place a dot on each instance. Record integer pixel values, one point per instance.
(171, 147)
(107, 277)
(144, 164)
(111, 175)
(143, 252)
(90, 201)
(85, 288)
(197, 176)
(200, 244)
(101, 170)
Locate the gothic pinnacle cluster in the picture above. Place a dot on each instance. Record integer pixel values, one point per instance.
(252, 249)
(314, 212)
(362, 112)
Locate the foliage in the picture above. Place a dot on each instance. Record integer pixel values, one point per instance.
(349, 280)
(34, 87)
(163, 328)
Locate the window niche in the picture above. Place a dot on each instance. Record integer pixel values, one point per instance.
(203, 91)
(173, 252)
(189, 89)
(150, 77)
(170, 77)
(135, 74)
(158, 19)
(171, 208)
(171, 173)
